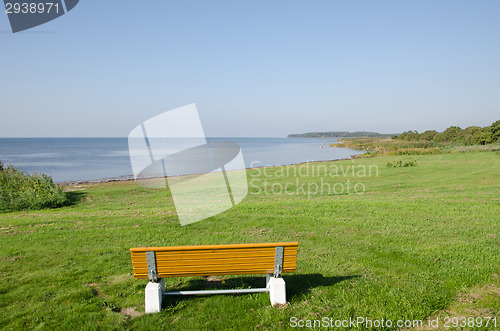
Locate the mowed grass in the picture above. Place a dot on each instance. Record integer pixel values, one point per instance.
(419, 242)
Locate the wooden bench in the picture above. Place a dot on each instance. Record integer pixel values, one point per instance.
(157, 263)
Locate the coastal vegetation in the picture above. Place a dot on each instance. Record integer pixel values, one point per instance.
(419, 243)
(473, 135)
(338, 134)
(19, 190)
(451, 140)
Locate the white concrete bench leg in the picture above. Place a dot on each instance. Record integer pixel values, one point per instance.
(154, 295)
(277, 290)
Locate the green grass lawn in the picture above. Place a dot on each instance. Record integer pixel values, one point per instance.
(413, 243)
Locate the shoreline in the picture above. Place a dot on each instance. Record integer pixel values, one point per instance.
(125, 178)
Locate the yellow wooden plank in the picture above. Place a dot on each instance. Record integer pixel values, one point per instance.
(193, 274)
(201, 247)
(218, 267)
(231, 252)
(144, 275)
(215, 254)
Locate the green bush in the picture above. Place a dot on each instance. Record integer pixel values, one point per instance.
(428, 135)
(19, 191)
(409, 135)
(453, 134)
(401, 164)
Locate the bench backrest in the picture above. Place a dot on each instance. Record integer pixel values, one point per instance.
(207, 260)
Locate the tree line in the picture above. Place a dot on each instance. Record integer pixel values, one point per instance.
(339, 134)
(473, 135)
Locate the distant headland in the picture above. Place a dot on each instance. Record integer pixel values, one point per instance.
(341, 134)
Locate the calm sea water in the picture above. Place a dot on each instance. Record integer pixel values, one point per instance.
(75, 159)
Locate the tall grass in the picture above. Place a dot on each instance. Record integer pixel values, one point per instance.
(388, 146)
(386, 143)
(19, 190)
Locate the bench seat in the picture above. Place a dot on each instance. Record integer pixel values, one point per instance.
(156, 263)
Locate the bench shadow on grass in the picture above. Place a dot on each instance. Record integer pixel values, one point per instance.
(296, 285)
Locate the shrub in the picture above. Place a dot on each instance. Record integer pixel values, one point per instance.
(19, 190)
(401, 164)
(409, 135)
(452, 134)
(428, 135)
(471, 135)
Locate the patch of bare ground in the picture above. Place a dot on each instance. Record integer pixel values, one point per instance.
(258, 232)
(130, 312)
(213, 279)
(11, 258)
(281, 306)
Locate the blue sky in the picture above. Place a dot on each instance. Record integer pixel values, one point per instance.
(254, 68)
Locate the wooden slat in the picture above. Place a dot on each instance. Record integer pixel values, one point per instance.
(206, 260)
(162, 274)
(215, 247)
(215, 270)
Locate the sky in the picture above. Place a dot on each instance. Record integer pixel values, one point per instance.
(253, 68)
